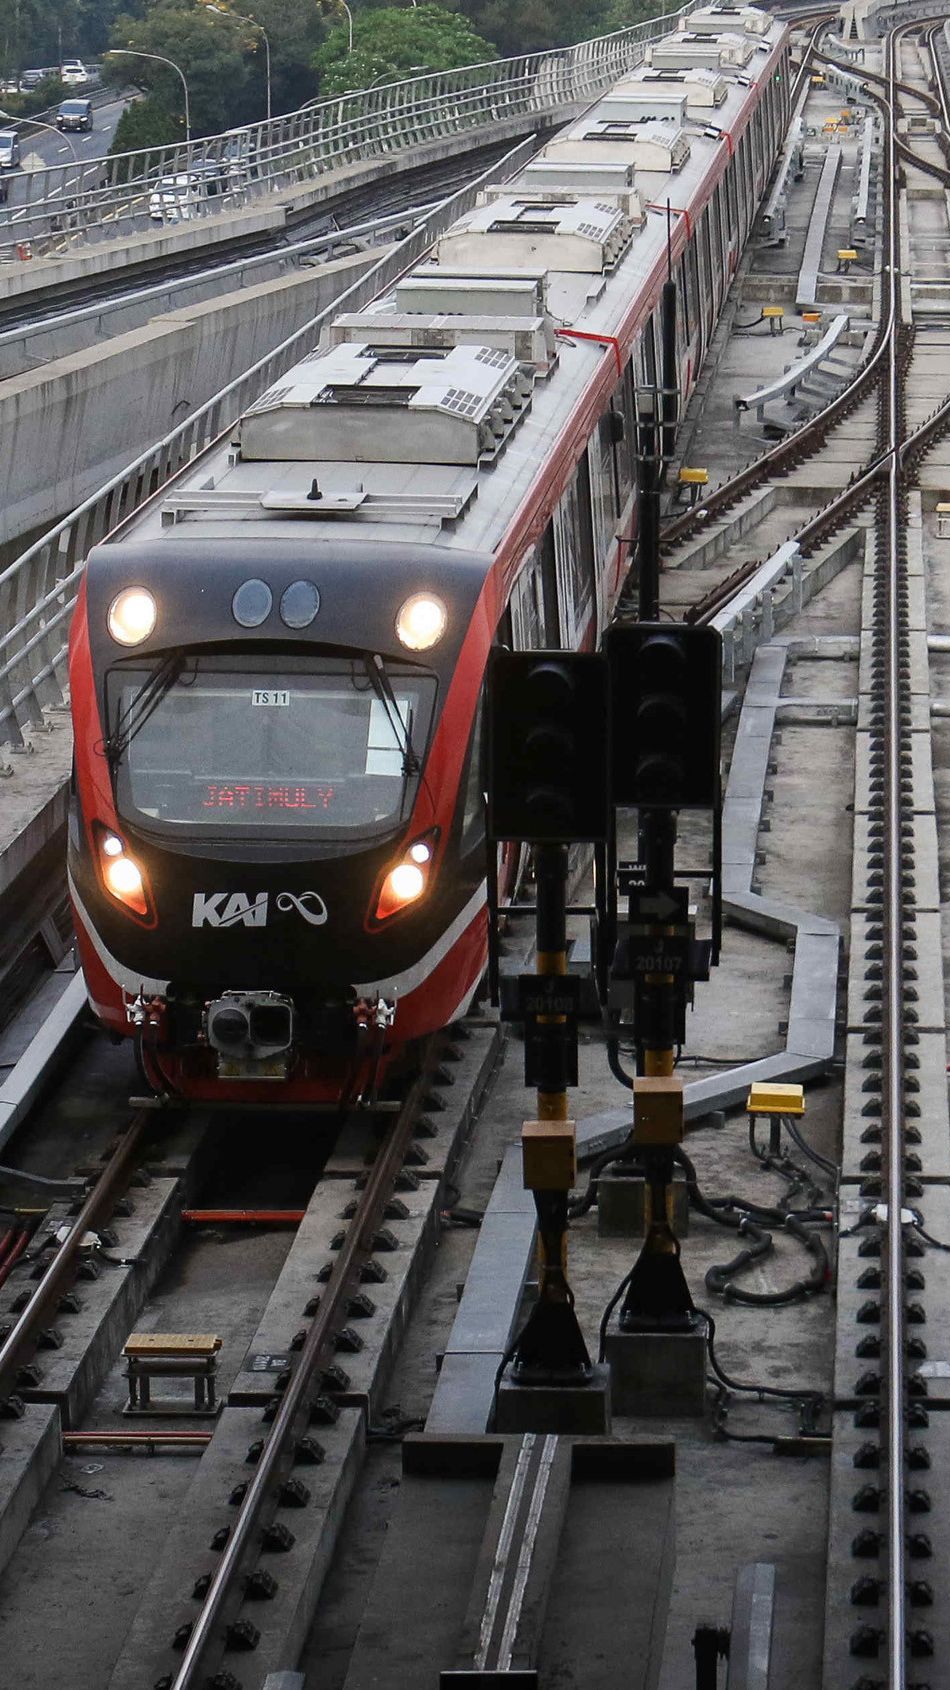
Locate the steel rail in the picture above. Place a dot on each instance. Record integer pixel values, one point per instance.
(293, 1411)
(20, 1342)
(894, 1391)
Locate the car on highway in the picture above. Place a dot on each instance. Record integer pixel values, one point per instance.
(74, 74)
(74, 114)
(175, 199)
(9, 149)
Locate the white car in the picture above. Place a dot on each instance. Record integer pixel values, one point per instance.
(74, 74)
(174, 199)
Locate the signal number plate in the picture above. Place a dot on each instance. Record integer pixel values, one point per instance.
(270, 695)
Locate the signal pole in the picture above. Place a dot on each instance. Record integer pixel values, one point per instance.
(548, 786)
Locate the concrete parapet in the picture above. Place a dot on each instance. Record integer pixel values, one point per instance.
(90, 413)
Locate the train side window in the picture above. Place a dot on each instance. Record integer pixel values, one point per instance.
(648, 354)
(603, 485)
(548, 573)
(527, 609)
(573, 556)
(625, 449)
(718, 238)
(704, 264)
(473, 808)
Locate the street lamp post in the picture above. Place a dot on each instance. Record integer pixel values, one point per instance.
(349, 19)
(133, 53)
(77, 203)
(225, 12)
(35, 123)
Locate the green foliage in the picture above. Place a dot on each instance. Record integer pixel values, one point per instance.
(208, 47)
(620, 14)
(145, 123)
(392, 42)
(533, 26)
(295, 30)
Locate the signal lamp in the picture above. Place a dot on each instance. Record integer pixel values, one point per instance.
(421, 622)
(665, 708)
(121, 874)
(132, 615)
(546, 745)
(407, 880)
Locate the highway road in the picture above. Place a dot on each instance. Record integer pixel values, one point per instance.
(48, 147)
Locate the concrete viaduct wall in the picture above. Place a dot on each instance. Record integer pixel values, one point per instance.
(68, 427)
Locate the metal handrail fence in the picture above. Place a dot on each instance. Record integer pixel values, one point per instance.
(65, 206)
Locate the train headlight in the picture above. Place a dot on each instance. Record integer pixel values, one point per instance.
(421, 621)
(407, 880)
(132, 615)
(121, 874)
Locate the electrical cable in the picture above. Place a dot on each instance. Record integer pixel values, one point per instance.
(605, 1317)
(937, 1243)
(581, 1205)
(615, 1065)
(809, 1151)
(804, 1394)
(742, 1218)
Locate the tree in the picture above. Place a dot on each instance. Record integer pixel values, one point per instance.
(209, 49)
(393, 42)
(534, 26)
(622, 13)
(31, 32)
(295, 30)
(145, 123)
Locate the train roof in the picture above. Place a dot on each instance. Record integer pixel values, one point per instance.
(425, 417)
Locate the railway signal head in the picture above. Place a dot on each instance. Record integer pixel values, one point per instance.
(547, 756)
(665, 703)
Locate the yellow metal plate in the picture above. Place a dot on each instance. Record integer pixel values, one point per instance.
(172, 1344)
(776, 1100)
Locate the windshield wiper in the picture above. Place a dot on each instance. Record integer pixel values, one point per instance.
(143, 705)
(382, 687)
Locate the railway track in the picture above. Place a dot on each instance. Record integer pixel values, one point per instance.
(382, 1247)
(892, 340)
(883, 1580)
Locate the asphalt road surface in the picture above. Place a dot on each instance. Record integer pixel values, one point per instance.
(48, 147)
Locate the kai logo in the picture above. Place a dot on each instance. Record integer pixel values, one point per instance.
(237, 909)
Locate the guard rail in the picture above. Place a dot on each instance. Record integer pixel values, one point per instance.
(64, 206)
(787, 385)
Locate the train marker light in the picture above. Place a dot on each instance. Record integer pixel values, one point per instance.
(546, 725)
(665, 701)
(406, 880)
(121, 874)
(132, 615)
(421, 622)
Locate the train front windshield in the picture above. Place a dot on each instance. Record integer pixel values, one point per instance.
(207, 745)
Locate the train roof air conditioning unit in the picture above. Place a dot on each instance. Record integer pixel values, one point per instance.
(646, 144)
(383, 404)
(565, 233)
(437, 288)
(711, 20)
(530, 340)
(701, 88)
(701, 52)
